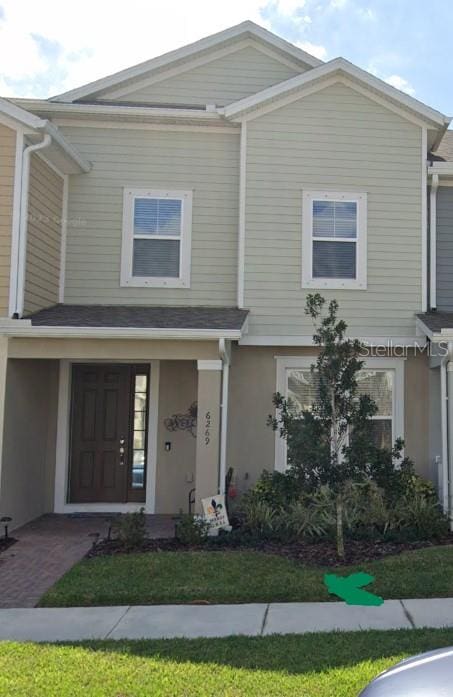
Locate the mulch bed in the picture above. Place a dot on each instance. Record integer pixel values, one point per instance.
(320, 554)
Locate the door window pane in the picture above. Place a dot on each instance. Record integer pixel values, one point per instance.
(139, 433)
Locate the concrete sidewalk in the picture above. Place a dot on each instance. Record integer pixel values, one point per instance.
(191, 621)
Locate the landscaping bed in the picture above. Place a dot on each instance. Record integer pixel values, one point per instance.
(6, 542)
(325, 665)
(322, 553)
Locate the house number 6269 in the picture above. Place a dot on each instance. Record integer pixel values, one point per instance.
(207, 428)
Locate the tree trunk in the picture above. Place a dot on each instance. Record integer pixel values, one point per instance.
(340, 537)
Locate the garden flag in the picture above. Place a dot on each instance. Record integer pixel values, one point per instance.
(215, 512)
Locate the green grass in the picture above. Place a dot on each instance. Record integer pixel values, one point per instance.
(316, 665)
(240, 577)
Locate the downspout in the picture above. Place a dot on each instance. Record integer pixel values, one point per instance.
(433, 242)
(448, 431)
(23, 222)
(444, 433)
(225, 356)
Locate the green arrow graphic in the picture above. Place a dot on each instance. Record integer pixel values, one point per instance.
(349, 588)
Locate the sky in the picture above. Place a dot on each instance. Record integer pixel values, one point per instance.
(51, 46)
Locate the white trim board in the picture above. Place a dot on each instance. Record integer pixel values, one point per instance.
(283, 363)
(122, 125)
(342, 66)
(61, 490)
(307, 340)
(245, 29)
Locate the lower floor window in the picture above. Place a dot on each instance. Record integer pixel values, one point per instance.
(382, 381)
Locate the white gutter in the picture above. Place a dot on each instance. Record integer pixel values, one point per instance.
(224, 351)
(23, 222)
(24, 329)
(433, 242)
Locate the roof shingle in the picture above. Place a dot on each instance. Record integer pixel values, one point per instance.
(132, 316)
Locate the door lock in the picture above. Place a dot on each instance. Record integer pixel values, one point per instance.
(122, 451)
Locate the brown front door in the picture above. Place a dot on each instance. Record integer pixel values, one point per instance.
(100, 433)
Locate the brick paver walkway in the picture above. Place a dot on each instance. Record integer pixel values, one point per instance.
(48, 547)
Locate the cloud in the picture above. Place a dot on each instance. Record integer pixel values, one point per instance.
(314, 49)
(50, 47)
(400, 83)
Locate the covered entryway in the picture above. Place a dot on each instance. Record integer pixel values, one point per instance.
(108, 435)
(104, 420)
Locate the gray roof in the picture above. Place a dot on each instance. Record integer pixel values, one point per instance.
(143, 316)
(444, 152)
(436, 321)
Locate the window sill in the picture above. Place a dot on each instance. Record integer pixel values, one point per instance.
(334, 284)
(154, 283)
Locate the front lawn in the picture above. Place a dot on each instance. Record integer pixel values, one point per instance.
(316, 665)
(240, 577)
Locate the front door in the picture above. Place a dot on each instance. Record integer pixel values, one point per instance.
(101, 433)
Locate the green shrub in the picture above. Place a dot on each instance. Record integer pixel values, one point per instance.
(191, 530)
(130, 529)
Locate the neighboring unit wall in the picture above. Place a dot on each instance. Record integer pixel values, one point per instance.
(205, 162)
(28, 462)
(445, 248)
(219, 82)
(175, 475)
(45, 208)
(7, 169)
(251, 443)
(338, 140)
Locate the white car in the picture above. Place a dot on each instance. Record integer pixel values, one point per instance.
(426, 675)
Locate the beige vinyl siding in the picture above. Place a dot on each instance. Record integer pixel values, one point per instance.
(206, 163)
(338, 140)
(44, 236)
(7, 169)
(220, 81)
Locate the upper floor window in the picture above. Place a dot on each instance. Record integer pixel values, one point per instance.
(334, 229)
(156, 238)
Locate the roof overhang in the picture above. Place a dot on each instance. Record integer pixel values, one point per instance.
(244, 30)
(442, 169)
(60, 153)
(125, 113)
(436, 326)
(25, 329)
(272, 97)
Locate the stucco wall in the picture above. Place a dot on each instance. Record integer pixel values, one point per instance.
(251, 444)
(177, 391)
(28, 463)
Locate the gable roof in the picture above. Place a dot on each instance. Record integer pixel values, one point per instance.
(246, 29)
(61, 152)
(272, 96)
(444, 152)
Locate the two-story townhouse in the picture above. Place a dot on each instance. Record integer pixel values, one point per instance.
(202, 195)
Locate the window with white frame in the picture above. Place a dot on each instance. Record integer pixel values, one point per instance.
(156, 238)
(334, 230)
(382, 379)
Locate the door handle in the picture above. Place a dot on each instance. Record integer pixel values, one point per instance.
(122, 451)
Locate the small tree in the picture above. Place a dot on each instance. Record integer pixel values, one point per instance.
(331, 443)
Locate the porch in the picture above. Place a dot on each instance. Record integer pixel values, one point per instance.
(96, 424)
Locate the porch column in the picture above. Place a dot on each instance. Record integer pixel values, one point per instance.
(3, 369)
(208, 430)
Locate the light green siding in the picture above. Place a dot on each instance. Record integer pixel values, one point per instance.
(45, 207)
(220, 81)
(205, 162)
(338, 140)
